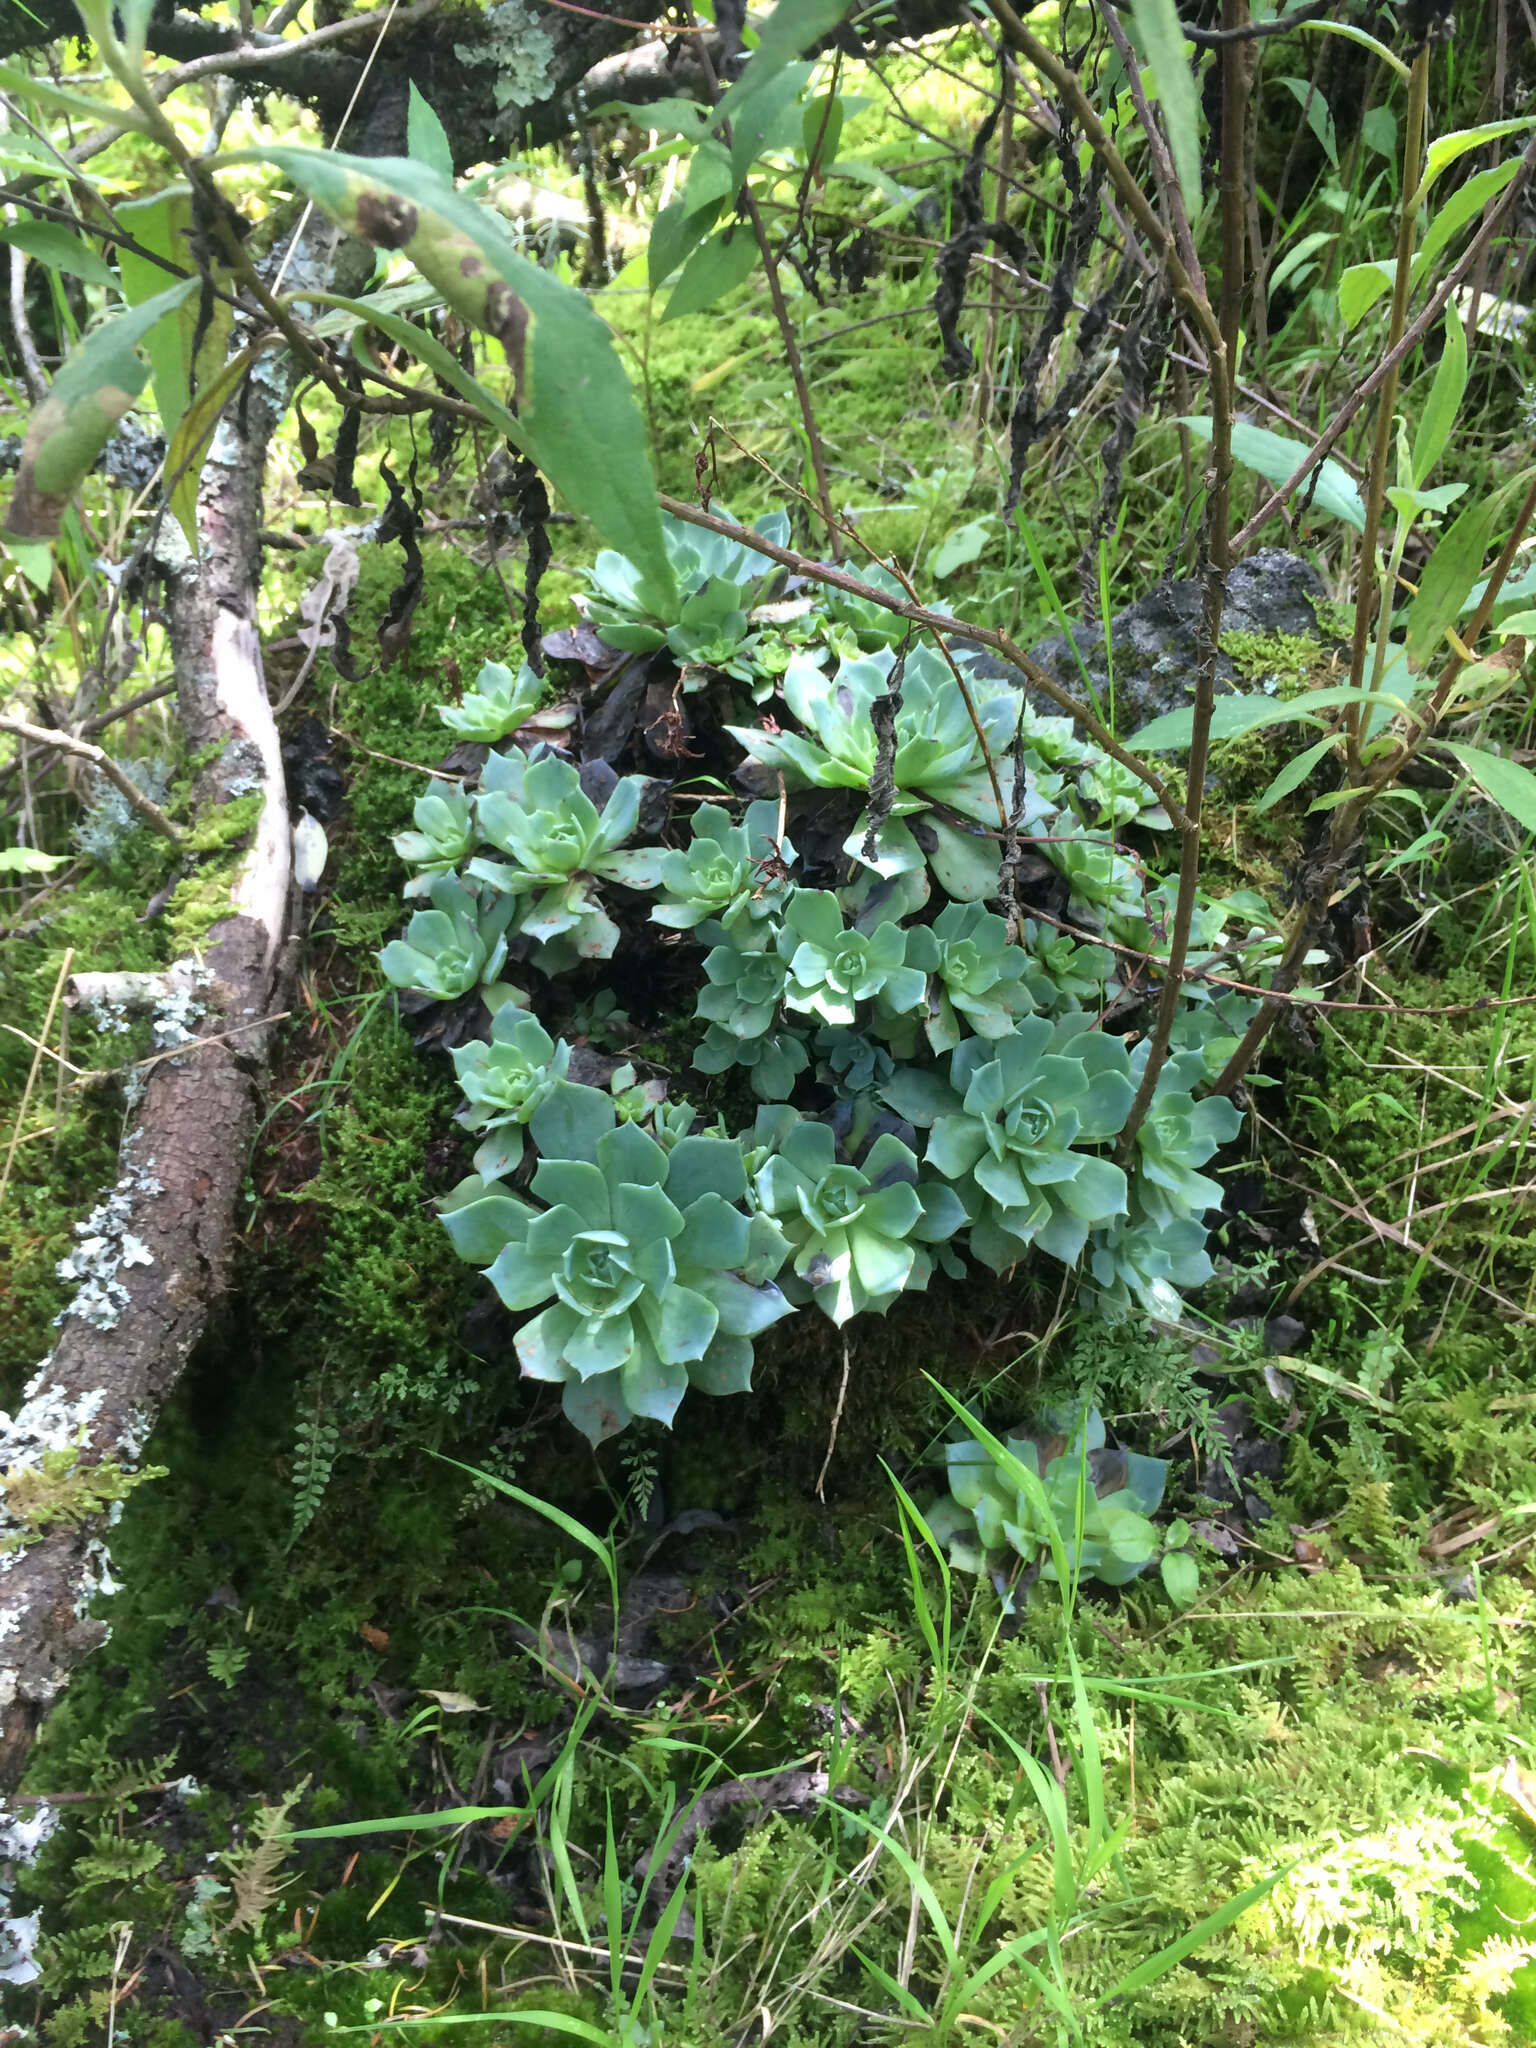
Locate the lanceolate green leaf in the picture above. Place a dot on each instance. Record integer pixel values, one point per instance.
(1360, 287)
(1453, 568)
(1234, 715)
(791, 29)
(1444, 401)
(1161, 36)
(163, 225)
(1464, 204)
(429, 350)
(1319, 115)
(577, 416)
(1512, 787)
(96, 386)
(189, 443)
(1295, 772)
(1445, 149)
(58, 101)
(1275, 457)
(426, 139)
(57, 249)
(676, 233)
(725, 261)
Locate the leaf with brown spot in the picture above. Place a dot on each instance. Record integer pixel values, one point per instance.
(577, 417)
(98, 384)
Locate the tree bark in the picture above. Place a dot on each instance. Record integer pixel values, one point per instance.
(458, 59)
(154, 1254)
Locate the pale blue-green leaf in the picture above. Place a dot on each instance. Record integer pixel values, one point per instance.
(1511, 787)
(1276, 456)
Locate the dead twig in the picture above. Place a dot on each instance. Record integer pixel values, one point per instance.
(66, 743)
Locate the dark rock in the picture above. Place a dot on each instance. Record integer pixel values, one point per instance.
(1156, 640)
(1283, 1334)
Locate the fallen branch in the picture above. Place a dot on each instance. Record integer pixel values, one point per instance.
(152, 1258)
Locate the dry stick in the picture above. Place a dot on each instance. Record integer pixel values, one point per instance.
(939, 623)
(786, 326)
(837, 1416)
(98, 722)
(37, 1061)
(1218, 507)
(45, 736)
(31, 362)
(1368, 585)
(219, 63)
(1412, 336)
(1301, 999)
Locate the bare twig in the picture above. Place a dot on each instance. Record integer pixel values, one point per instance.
(26, 347)
(256, 57)
(1217, 563)
(45, 736)
(837, 1416)
(939, 623)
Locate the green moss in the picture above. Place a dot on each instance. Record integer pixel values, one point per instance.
(1286, 662)
(57, 1489)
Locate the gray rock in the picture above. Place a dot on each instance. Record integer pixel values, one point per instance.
(1156, 640)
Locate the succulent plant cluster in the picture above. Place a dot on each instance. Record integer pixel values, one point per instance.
(1063, 1496)
(907, 1061)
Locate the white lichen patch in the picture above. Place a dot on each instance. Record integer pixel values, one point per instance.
(96, 1580)
(172, 998)
(107, 1248)
(22, 1835)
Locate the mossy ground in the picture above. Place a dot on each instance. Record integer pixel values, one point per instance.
(318, 1604)
(314, 1576)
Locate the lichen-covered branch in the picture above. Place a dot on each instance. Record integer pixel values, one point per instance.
(151, 1258)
